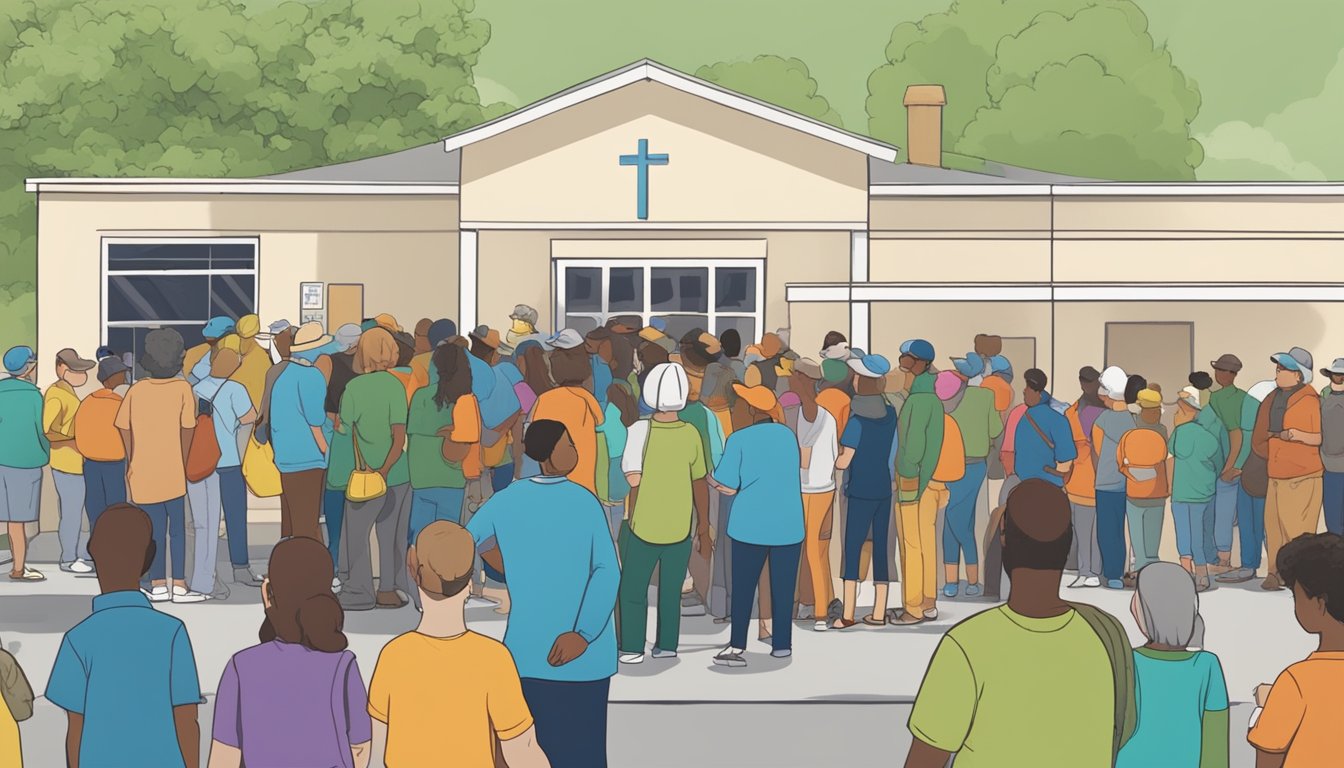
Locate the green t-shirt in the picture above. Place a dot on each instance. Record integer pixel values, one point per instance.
(673, 458)
(1199, 460)
(980, 423)
(1006, 690)
(428, 467)
(1226, 403)
(373, 403)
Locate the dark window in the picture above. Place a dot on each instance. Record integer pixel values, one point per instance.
(132, 339)
(625, 292)
(232, 295)
(233, 256)
(158, 298)
(583, 289)
(680, 325)
(131, 257)
(679, 289)
(735, 289)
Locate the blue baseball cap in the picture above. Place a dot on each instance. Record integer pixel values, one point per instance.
(905, 346)
(658, 324)
(872, 366)
(1295, 359)
(19, 358)
(1000, 364)
(217, 327)
(921, 350)
(970, 366)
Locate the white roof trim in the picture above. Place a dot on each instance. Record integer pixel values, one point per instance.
(235, 187)
(1065, 292)
(694, 86)
(958, 190)
(1106, 189)
(635, 226)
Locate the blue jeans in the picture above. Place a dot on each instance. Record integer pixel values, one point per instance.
(333, 507)
(169, 520)
(1193, 525)
(233, 495)
(1111, 533)
(571, 720)
(432, 504)
(501, 476)
(1332, 491)
(1224, 516)
(748, 562)
(1251, 521)
(104, 485)
(70, 494)
(861, 516)
(959, 520)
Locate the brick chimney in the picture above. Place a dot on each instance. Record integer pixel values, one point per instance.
(924, 124)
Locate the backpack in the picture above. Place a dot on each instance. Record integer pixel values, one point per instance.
(1146, 469)
(203, 454)
(14, 687)
(1116, 643)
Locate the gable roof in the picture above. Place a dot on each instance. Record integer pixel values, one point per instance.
(426, 163)
(649, 70)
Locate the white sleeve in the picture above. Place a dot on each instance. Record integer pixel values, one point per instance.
(635, 438)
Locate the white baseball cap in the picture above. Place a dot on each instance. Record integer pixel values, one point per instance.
(1113, 381)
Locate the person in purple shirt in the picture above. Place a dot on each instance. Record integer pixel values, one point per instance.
(296, 698)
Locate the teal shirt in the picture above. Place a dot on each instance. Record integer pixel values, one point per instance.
(23, 445)
(1250, 408)
(1210, 421)
(1199, 459)
(920, 433)
(761, 463)
(1176, 692)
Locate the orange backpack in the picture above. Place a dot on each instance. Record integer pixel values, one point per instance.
(1143, 461)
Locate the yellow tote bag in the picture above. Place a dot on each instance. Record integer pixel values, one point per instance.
(259, 470)
(365, 483)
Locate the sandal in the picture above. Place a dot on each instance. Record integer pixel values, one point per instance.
(870, 621)
(843, 623)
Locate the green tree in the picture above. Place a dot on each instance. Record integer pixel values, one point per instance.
(215, 88)
(783, 82)
(1071, 86)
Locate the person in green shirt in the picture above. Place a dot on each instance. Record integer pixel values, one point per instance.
(1226, 404)
(664, 462)
(373, 411)
(1197, 456)
(438, 485)
(1033, 682)
(919, 444)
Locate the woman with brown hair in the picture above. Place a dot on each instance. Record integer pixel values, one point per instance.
(374, 411)
(297, 698)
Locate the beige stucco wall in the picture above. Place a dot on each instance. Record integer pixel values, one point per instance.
(515, 267)
(952, 326)
(565, 167)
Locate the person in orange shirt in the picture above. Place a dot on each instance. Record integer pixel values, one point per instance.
(99, 442)
(1287, 435)
(572, 405)
(1296, 722)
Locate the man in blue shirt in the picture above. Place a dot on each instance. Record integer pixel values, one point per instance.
(501, 411)
(868, 451)
(549, 535)
(297, 415)
(126, 675)
(1044, 440)
(759, 468)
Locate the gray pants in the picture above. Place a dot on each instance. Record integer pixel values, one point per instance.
(206, 509)
(390, 516)
(1145, 531)
(1085, 538)
(70, 491)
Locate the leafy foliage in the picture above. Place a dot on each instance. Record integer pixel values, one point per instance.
(1073, 86)
(783, 82)
(215, 88)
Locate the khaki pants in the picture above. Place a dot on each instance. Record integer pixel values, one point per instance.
(918, 523)
(815, 586)
(1292, 508)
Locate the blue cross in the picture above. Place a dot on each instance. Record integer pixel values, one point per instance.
(642, 161)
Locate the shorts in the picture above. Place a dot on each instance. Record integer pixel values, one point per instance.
(20, 494)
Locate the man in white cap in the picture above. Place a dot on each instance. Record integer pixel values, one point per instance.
(1288, 435)
(1107, 431)
(1332, 445)
(665, 464)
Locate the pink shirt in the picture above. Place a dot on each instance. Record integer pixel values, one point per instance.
(1010, 430)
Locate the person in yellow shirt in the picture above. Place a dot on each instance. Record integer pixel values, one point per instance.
(442, 691)
(256, 360)
(59, 405)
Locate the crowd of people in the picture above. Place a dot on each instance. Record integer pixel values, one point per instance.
(555, 475)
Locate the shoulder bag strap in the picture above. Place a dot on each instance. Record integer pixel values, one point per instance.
(360, 465)
(1048, 442)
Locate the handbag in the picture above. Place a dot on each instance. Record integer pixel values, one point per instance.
(203, 454)
(365, 483)
(14, 688)
(259, 470)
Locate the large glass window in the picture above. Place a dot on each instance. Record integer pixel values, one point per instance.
(711, 294)
(177, 283)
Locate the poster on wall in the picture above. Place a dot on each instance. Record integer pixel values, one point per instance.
(310, 296)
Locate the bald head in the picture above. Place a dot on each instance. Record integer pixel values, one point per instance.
(1038, 527)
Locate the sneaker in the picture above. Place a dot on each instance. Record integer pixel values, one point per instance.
(27, 574)
(972, 590)
(78, 566)
(181, 595)
(820, 626)
(1236, 576)
(336, 586)
(730, 657)
(1081, 581)
(782, 653)
(631, 658)
(950, 590)
(659, 653)
(931, 613)
(158, 594)
(1115, 584)
(1092, 582)
(245, 577)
